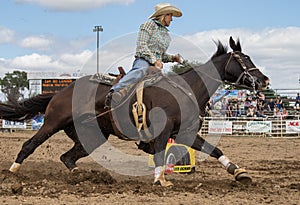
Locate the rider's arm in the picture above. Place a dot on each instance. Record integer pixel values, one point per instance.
(166, 58)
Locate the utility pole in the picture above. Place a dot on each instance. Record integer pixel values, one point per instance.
(97, 29)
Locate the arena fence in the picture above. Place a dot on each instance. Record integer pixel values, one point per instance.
(246, 126)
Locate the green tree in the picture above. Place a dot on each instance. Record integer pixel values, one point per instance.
(12, 85)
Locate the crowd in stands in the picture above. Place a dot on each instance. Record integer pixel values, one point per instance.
(253, 105)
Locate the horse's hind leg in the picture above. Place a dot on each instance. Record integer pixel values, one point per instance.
(44, 133)
(76, 152)
(240, 174)
(89, 137)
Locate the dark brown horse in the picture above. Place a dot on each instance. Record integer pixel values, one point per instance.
(174, 104)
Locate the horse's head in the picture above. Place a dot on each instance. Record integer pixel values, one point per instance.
(241, 71)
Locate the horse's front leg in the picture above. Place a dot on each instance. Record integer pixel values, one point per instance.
(240, 174)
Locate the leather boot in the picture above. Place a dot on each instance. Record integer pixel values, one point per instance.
(115, 97)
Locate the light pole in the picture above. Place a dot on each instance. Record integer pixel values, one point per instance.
(98, 29)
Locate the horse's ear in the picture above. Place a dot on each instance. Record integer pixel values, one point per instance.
(238, 46)
(235, 46)
(232, 43)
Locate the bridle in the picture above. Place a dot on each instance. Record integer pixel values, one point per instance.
(243, 75)
(241, 78)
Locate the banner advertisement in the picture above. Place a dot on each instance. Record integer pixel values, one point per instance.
(37, 122)
(259, 126)
(219, 127)
(13, 124)
(292, 126)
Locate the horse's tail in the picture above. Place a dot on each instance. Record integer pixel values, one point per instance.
(26, 109)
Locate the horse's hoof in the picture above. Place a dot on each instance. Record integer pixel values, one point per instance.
(68, 162)
(163, 183)
(242, 176)
(14, 167)
(74, 170)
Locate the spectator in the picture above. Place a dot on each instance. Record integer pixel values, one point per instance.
(271, 105)
(254, 102)
(251, 111)
(260, 106)
(258, 114)
(284, 113)
(224, 107)
(209, 108)
(278, 103)
(239, 96)
(297, 103)
(261, 97)
(247, 104)
(277, 112)
(230, 110)
(238, 111)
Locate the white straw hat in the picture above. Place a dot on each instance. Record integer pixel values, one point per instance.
(166, 8)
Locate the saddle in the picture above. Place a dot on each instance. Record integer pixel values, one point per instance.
(139, 108)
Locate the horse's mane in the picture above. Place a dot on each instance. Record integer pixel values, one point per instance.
(221, 49)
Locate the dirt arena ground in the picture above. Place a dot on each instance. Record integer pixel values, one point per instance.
(274, 165)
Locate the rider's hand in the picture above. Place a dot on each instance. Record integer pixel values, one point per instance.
(158, 64)
(177, 58)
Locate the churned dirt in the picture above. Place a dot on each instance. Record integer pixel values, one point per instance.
(274, 165)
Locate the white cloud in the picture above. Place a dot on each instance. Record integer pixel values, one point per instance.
(73, 5)
(34, 62)
(77, 59)
(37, 42)
(6, 35)
(66, 62)
(275, 50)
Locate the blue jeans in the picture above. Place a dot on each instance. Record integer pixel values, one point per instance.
(138, 71)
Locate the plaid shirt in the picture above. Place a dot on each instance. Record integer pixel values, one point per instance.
(153, 41)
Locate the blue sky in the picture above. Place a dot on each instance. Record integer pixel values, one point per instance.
(39, 35)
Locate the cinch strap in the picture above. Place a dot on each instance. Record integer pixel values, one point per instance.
(139, 111)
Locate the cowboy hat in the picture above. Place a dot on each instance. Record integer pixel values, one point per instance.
(166, 8)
